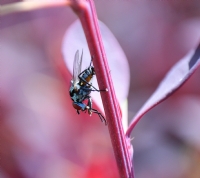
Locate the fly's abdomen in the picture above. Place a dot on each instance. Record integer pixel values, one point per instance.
(79, 106)
(89, 78)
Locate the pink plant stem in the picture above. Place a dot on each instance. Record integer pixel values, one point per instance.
(87, 14)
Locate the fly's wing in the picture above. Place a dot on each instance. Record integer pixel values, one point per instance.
(77, 67)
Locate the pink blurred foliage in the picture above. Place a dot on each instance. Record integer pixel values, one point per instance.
(41, 133)
(42, 136)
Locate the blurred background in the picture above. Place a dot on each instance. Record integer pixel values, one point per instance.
(41, 135)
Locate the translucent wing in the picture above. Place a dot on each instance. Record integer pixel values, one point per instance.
(77, 66)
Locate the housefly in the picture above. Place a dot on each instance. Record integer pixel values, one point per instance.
(81, 87)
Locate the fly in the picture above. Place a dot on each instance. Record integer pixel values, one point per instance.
(81, 87)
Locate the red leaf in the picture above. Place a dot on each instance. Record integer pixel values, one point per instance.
(74, 39)
(174, 79)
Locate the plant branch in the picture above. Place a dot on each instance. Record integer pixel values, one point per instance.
(87, 14)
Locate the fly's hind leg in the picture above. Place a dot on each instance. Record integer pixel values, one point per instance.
(100, 115)
(91, 110)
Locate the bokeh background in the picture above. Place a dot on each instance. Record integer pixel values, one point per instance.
(41, 135)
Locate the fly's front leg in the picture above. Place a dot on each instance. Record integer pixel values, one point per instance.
(95, 89)
(89, 89)
(92, 57)
(98, 90)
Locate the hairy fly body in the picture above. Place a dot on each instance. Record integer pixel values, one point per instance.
(81, 87)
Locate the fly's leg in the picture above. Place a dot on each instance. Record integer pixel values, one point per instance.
(100, 115)
(98, 90)
(77, 111)
(89, 105)
(95, 89)
(92, 57)
(82, 79)
(91, 110)
(89, 89)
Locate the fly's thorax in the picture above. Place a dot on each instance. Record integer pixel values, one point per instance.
(80, 94)
(75, 85)
(74, 91)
